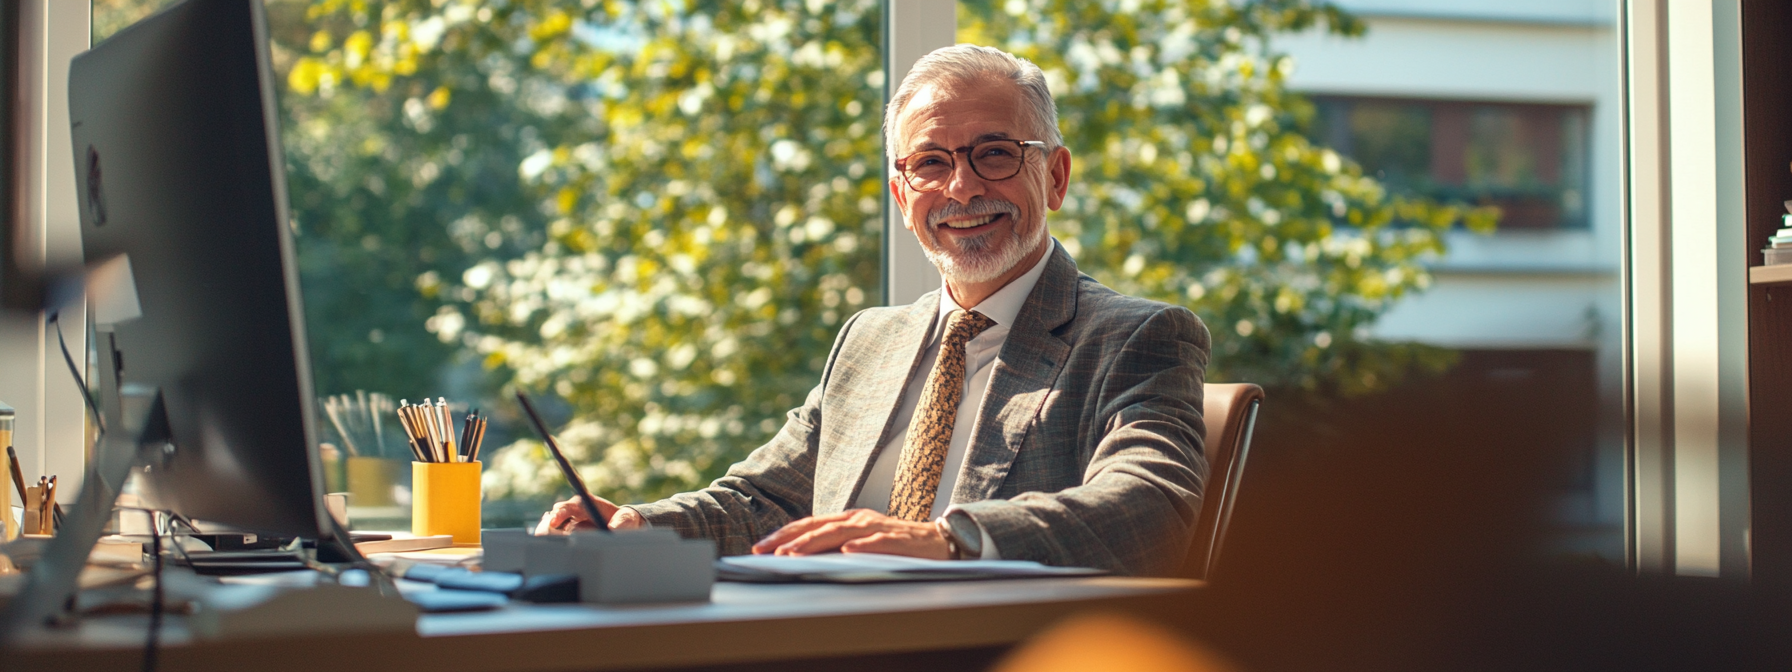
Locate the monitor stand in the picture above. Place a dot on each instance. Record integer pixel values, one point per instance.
(53, 579)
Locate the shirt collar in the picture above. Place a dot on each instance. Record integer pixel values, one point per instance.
(1003, 306)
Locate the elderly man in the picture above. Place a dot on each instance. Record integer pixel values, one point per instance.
(1023, 411)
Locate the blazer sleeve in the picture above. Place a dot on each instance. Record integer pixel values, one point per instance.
(1140, 496)
(773, 486)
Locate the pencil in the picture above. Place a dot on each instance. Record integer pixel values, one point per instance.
(478, 438)
(336, 420)
(373, 413)
(410, 432)
(421, 430)
(18, 478)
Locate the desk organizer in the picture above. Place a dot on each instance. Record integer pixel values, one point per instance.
(642, 566)
(446, 500)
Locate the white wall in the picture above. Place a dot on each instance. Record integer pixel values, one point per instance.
(33, 377)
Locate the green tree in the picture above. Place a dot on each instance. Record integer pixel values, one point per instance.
(663, 211)
(699, 206)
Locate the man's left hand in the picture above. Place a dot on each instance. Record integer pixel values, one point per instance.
(857, 531)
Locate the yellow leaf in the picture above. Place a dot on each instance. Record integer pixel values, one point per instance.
(305, 75)
(438, 98)
(358, 45)
(554, 25)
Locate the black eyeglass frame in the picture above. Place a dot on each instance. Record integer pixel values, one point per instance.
(908, 178)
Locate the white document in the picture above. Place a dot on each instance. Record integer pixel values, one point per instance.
(872, 567)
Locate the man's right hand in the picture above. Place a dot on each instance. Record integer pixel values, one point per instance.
(569, 515)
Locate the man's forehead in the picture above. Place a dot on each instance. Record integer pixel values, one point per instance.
(960, 112)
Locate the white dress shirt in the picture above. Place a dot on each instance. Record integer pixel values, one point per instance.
(979, 361)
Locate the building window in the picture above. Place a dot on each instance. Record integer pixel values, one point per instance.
(1530, 160)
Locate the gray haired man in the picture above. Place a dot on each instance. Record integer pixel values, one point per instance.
(1023, 411)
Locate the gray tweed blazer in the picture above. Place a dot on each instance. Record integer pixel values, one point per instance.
(1087, 450)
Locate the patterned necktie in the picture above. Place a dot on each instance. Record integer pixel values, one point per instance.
(930, 431)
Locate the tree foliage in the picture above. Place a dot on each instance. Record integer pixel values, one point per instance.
(662, 211)
(700, 206)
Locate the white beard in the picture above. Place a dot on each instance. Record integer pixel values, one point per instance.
(976, 262)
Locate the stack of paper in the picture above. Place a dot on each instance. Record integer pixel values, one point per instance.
(1779, 246)
(874, 568)
(451, 557)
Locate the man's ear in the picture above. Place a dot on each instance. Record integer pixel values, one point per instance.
(1058, 168)
(901, 198)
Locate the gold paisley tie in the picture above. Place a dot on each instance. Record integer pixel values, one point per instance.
(930, 432)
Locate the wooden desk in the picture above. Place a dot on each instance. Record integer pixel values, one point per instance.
(743, 623)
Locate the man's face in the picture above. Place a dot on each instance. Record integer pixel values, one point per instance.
(976, 230)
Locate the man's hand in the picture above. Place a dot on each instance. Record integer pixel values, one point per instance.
(857, 531)
(570, 515)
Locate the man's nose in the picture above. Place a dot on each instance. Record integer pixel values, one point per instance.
(964, 184)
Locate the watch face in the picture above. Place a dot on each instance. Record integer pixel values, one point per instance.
(969, 535)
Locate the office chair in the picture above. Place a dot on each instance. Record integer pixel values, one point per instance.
(1231, 414)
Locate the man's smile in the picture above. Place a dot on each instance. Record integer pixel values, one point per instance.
(974, 222)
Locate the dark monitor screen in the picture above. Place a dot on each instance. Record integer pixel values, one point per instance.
(17, 288)
(180, 174)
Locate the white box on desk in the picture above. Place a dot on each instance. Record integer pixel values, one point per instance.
(546, 554)
(643, 566)
(504, 550)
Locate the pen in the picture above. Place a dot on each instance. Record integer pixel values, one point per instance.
(447, 422)
(49, 507)
(578, 484)
(466, 436)
(411, 437)
(478, 437)
(429, 431)
(43, 519)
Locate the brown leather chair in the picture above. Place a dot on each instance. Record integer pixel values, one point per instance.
(1231, 415)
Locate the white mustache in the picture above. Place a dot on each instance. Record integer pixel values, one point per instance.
(976, 208)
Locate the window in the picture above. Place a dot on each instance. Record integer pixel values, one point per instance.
(1530, 160)
(653, 215)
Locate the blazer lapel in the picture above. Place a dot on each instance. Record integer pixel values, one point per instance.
(840, 473)
(1024, 372)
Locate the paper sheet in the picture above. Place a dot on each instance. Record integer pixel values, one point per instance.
(862, 567)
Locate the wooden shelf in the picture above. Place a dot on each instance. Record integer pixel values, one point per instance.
(1767, 275)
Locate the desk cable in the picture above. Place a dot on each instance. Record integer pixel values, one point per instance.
(157, 600)
(99, 419)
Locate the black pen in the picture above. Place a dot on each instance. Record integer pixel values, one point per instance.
(578, 484)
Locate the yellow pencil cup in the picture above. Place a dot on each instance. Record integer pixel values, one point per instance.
(445, 500)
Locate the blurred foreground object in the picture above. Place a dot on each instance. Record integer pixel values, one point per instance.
(1106, 641)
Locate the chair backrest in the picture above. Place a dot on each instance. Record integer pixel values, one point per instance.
(1230, 414)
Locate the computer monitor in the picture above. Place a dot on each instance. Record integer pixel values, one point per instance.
(18, 289)
(180, 174)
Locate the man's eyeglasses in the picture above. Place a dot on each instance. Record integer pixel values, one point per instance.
(931, 169)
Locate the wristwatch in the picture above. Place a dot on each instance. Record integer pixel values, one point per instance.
(964, 539)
